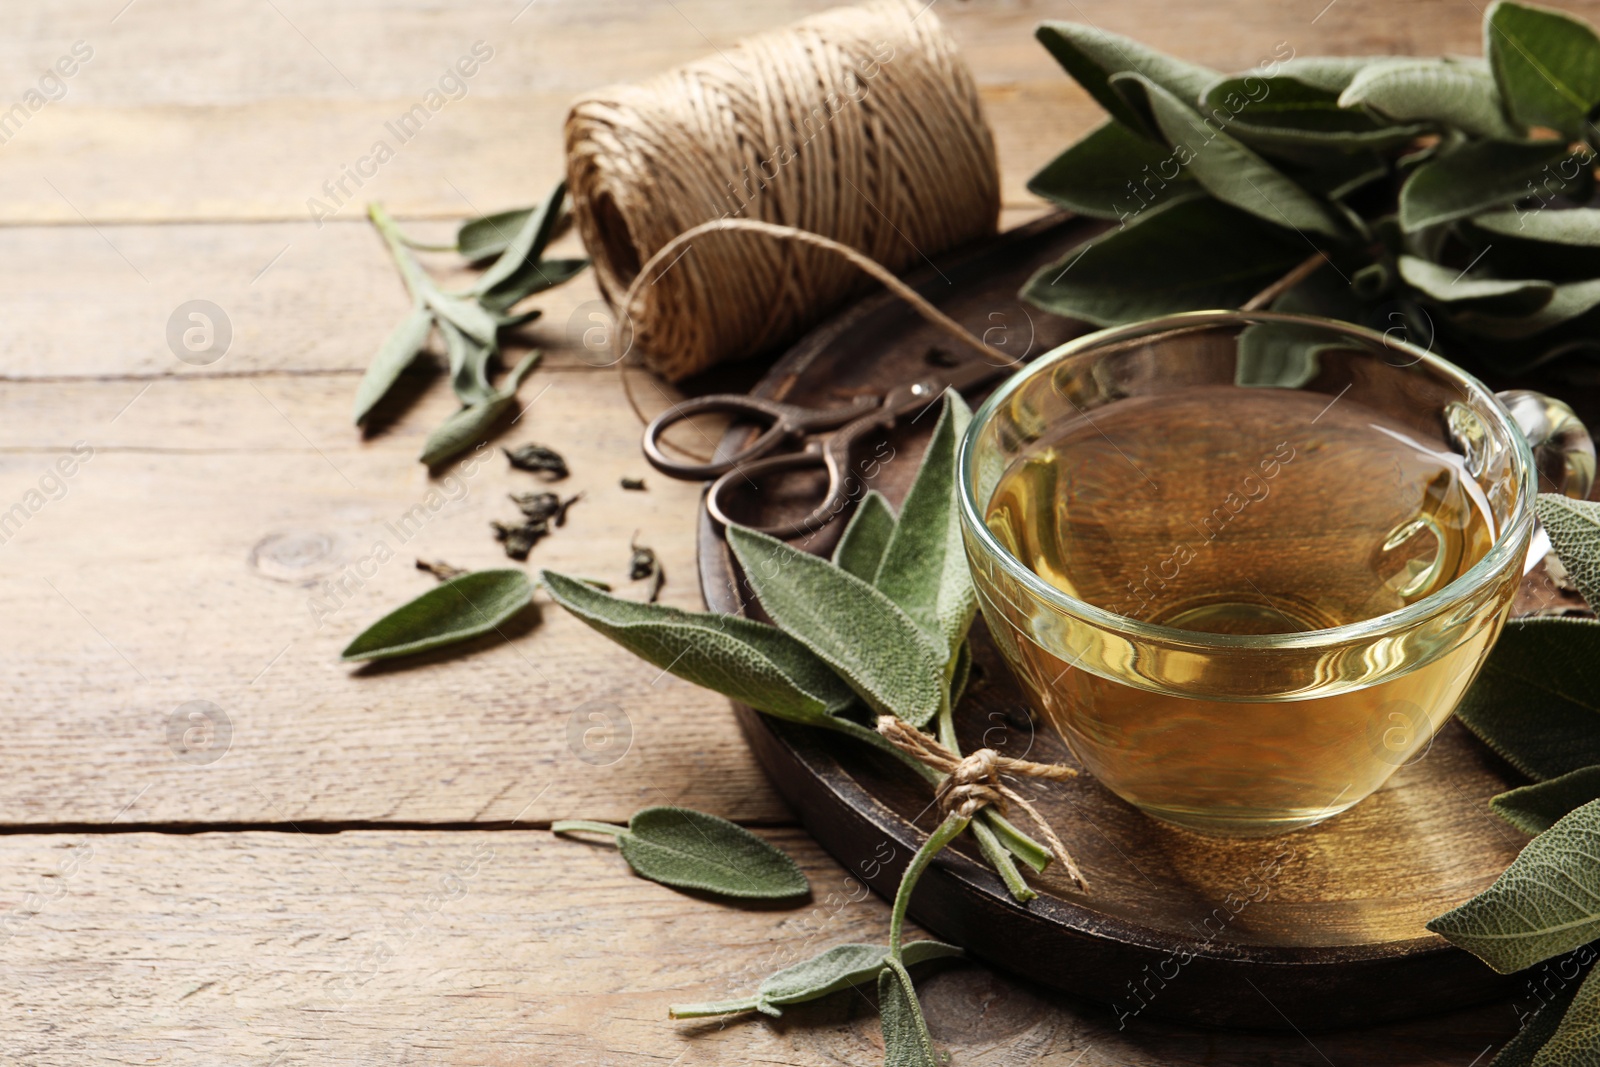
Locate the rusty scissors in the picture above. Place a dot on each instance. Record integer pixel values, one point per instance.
(827, 438)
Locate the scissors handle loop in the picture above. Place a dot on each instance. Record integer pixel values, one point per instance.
(784, 422)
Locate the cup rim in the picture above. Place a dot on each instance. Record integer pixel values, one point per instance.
(1505, 545)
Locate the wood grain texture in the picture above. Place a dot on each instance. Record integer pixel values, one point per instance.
(507, 948)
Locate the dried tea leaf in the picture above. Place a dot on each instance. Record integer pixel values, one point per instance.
(1477, 176)
(1574, 530)
(1227, 169)
(528, 242)
(860, 548)
(519, 539)
(692, 850)
(1462, 95)
(635, 484)
(459, 609)
(642, 565)
(1576, 1042)
(440, 569)
(538, 507)
(1547, 65)
(1191, 256)
(1533, 809)
(398, 350)
(469, 425)
(749, 661)
(831, 971)
(906, 1042)
(1092, 176)
(924, 567)
(854, 628)
(1537, 700)
(538, 459)
(1547, 902)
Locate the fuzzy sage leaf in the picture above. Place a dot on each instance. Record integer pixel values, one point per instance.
(860, 547)
(399, 349)
(689, 849)
(1574, 530)
(749, 661)
(848, 624)
(480, 238)
(1547, 65)
(906, 1041)
(461, 608)
(831, 971)
(1547, 902)
(472, 423)
(529, 241)
(1533, 809)
(1576, 1041)
(1537, 700)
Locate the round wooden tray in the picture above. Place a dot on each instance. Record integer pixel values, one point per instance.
(1323, 928)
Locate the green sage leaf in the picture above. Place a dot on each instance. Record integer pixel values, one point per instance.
(1477, 176)
(1547, 65)
(1567, 302)
(749, 661)
(1533, 809)
(831, 971)
(1574, 530)
(398, 350)
(1226, 168)
(452, 611)
(528, 243)
(1331, 74)
(1188, 257)
(469, 365)
(1577, 227)
(1285, 112)
(1113, 173)
(924, 567)
(1576, 1042)
(468, 315)
(858, 631)
(1450, 286)
(534, 276)
(860, 547)
(906, 1042)
(1092, 56)
(1279, 355)
(480, 238)
(692, 850)
(1462, 95)
(471, 424)
(1547, 902)
(1537, 700)
(1537, 1028)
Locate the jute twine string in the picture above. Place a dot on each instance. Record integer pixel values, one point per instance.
(974, 783)
(860, 125)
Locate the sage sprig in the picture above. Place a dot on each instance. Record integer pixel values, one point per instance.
(1430, 183)
(690, 849)
(457, 610)
(470, 321)
(830, 971)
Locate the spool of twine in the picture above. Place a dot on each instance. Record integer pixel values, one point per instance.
(860, 124)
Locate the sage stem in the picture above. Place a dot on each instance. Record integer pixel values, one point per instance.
(946, 832)
(567, 826)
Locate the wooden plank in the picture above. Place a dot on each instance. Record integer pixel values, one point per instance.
(245, 114)
(499, 948)
(226, 540)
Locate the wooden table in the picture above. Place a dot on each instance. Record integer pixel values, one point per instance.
(361, 874)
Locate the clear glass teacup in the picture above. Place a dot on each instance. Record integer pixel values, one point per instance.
(1248, 563)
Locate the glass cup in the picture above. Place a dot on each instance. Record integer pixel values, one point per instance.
(1247, 563)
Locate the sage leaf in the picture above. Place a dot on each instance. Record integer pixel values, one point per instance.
(468, 315)
(1547, 65)
(480, 238)
(1537, 700)
(1226, 168)
(469, 365)
(452, 611)
(924, 567)
(906, 1042)
(528, 243)
(689, 849)
(1285, 112)
(1579, 227)
(1576, 1042)
(831, 971)
(1331, 74)
(505, 321)
(860, 547)
(851, 626)
(1462, 95)
(1450, 286)
(1533, 809)
(1113, 173)
(1191, 256)
(1092, 56)
(1279, 355)
(1574, 530)
(1547, 902)
(1567, 302)
(398, 350)
(1477, 176)
(748, 661)
(468, 426)
(1538, 1026)
(534, 276)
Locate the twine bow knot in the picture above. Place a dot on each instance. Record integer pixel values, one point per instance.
(973, 782)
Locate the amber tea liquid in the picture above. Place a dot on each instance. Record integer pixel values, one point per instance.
(1227, 510)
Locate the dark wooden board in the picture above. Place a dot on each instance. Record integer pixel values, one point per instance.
(1335, 939)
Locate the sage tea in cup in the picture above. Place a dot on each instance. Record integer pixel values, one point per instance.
(1246, 564)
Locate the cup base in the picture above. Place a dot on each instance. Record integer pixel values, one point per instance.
(1242, 822)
